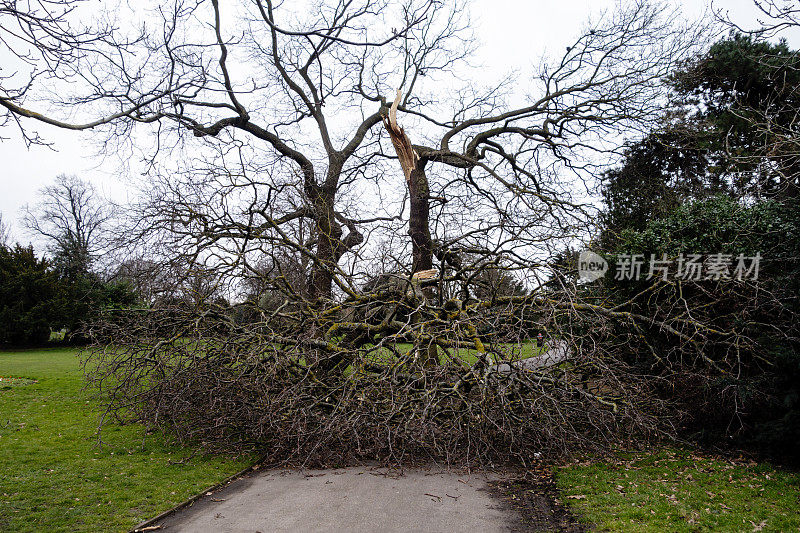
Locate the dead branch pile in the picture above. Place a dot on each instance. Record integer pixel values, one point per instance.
(364, 394)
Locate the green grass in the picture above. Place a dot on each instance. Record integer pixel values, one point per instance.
(677, 490)
(53, 475)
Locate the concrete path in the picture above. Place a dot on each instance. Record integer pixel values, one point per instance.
(348, 499)
(558, 352)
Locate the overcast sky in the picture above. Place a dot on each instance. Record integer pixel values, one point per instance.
(514, 34)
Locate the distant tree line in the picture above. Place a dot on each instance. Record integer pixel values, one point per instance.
(42, 295)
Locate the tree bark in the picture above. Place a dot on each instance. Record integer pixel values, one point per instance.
(329, 234)
(418, 228)
(419, 219)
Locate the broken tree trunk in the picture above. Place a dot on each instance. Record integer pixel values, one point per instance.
(418, 226)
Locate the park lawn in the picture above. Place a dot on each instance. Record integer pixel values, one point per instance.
(510, 352)
(678, 490)
(53, 475)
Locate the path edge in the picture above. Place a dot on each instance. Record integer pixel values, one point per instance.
(150, 522)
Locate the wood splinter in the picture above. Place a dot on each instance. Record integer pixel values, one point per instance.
(402, 144)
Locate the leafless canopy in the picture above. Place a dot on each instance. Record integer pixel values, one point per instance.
(774, 16)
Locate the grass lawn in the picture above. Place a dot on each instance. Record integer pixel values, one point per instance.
(676, 490)
(54, 477)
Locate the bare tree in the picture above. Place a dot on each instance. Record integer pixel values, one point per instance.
(145, 277)
(289, 188)
(39, 35)
(344, 68)
(70, 62)
(73, 219)
(326, 67)
(774, 17)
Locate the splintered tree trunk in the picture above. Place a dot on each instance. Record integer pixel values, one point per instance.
(419, 229)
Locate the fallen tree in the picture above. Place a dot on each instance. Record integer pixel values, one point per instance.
(331, 325)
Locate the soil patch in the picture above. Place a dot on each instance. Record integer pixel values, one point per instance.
(534, 497)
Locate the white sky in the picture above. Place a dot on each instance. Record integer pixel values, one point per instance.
(514, 34)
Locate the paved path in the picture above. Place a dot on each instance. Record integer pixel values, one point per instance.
(348, 499)
(558, 352)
